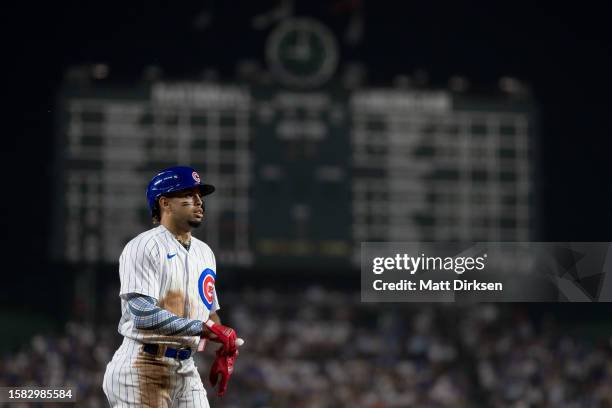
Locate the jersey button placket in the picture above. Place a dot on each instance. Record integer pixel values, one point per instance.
(187, 303)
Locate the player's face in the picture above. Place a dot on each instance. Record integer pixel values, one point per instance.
(187, 207)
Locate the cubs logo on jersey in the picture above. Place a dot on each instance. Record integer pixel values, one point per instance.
(206, 287)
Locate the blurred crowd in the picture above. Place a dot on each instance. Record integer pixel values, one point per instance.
(318, 348)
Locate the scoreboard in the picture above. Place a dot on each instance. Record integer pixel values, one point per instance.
(302, 177)
(432, 167)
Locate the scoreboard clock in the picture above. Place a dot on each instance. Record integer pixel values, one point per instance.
(302, 53)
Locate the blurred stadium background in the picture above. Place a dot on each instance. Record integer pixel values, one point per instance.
(322, 124)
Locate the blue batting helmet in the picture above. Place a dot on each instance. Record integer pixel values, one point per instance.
(173, 179)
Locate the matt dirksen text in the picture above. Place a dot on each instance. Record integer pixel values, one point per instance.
(457, 284)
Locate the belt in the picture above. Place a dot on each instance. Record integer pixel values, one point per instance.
(179, 354)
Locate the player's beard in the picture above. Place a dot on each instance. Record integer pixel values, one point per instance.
(194, 224)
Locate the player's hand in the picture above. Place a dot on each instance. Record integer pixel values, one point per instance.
(222, 369)
(220, 334)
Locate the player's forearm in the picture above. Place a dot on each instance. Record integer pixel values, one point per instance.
(147, 315)
(215, 318)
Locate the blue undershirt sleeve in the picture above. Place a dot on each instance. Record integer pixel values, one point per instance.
(149, 316)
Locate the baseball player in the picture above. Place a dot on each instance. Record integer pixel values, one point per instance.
(169, 304)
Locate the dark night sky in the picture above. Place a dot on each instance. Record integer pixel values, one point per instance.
(564, 53)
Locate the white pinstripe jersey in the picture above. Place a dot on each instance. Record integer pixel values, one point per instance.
(155, 264)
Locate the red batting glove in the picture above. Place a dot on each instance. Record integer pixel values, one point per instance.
(221, 334)
(222, 369)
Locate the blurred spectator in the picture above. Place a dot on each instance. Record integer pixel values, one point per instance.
(319, 349)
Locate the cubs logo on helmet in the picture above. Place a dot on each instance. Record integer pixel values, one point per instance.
(206, 287)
